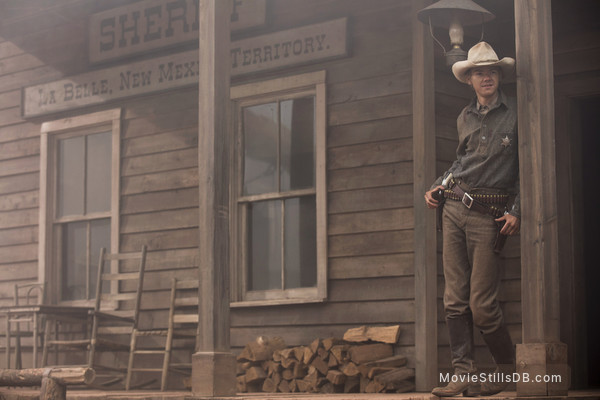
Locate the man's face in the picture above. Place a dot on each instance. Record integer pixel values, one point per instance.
(485, 81)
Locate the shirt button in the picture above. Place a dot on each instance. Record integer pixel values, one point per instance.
(483, 137)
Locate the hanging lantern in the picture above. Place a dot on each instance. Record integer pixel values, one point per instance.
(454, 15)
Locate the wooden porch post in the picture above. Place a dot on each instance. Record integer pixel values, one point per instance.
(541, 352)
(424, 156)
(213, 366)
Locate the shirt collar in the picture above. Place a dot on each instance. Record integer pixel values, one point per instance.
(501, 100)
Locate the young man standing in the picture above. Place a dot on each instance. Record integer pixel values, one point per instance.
(484, 177)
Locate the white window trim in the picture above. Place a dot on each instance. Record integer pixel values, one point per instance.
(109, 118)
(251, 93)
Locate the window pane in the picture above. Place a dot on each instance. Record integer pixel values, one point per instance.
(264, 245)
(98, 172)
(300, 242)
(71, 173)
(99, 238)
(74, 262)
(297, 144)
(261, 137)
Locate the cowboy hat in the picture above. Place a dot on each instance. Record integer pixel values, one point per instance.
(482, 55)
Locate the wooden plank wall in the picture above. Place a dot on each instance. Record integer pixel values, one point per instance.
(159, 181)
(369, 161)
(19, 139)
(451, 97)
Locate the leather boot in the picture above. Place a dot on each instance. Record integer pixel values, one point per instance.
(503, 352)
(460, 331)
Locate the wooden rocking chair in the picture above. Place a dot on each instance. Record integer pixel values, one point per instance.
(109, 319)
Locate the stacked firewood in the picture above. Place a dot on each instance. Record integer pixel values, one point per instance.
(362, 361)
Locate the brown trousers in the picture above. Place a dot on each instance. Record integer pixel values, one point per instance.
(471, 268)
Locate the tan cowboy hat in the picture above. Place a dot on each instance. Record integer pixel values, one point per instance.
(482, 55)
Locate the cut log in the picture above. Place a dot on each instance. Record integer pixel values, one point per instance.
(277, 378)
(350, 369)
(395, 361)
(293, 386)
(260, 351)
(52, 390)
(284, 386)
(271, 367)
(269, 386)
(320, 365)
(352, 384)
(284, 356)
(288, 362)
(34, 376)
(312, 378)
(308, 355)
(327, 388)
(287, 374)
(378, 371)
(336, 377)
(384, 334)
(395, 375)
(324, 354)
(333, 361)
(255, 374)
(304, 386)
(330, 342)
(314, 346)
(363, 384)
(300, 370)
(373, 387)
(356, 334)
(340, 352)
(299, 352)
(370, 352)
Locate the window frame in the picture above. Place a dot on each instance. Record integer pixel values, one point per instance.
(279, 89)
(49, 239)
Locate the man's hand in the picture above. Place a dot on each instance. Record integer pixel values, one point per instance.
(511, 226)
(429, 200)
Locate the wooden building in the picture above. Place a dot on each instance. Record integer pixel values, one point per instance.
(303, 189)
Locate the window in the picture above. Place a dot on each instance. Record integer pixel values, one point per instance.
(79, 190)
(279, 209)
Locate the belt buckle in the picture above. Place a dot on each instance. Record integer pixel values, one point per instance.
(467, 198)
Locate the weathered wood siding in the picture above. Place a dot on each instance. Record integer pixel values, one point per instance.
(159, 180)
(19, 139)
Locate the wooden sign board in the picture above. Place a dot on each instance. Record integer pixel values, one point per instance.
(277, 50)
(97, 87)
(154, 24)
(290, 47)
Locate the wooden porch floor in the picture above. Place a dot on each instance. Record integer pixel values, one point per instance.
(33, 394)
